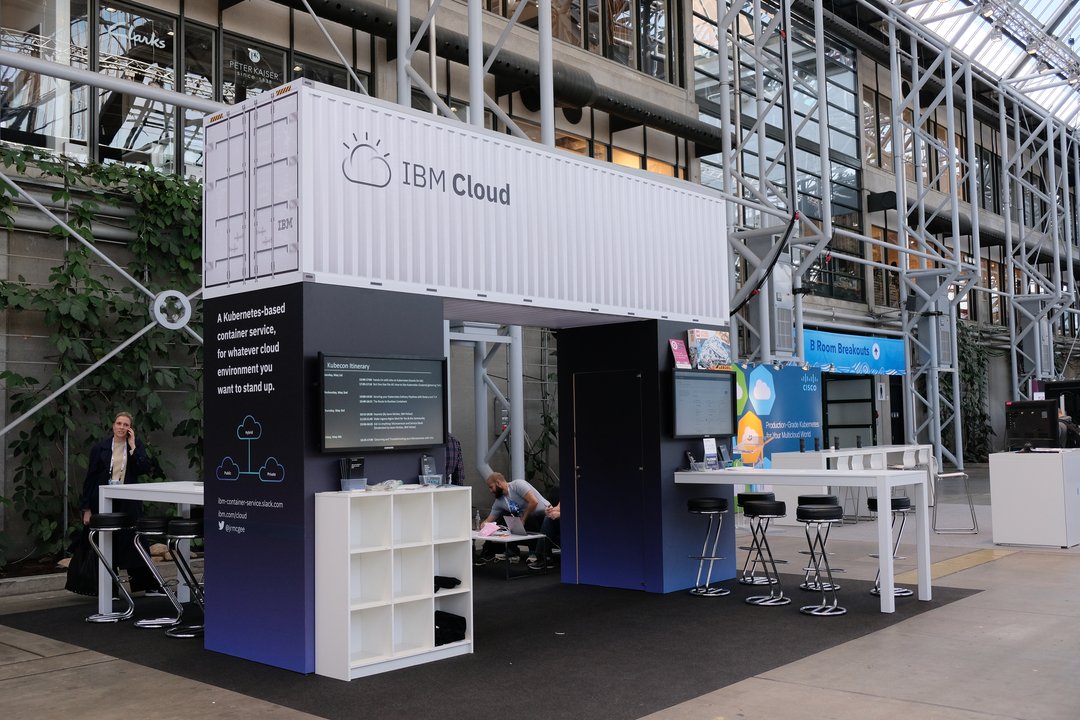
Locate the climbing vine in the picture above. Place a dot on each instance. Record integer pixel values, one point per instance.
(974, 361)
(83, 311)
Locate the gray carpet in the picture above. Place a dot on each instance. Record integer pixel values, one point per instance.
(543, 650)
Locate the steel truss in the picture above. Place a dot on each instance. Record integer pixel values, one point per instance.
(1040, 165)
(929, 83)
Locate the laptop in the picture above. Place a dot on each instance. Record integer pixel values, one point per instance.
(515, 525)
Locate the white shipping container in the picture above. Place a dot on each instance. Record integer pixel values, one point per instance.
(312, 182)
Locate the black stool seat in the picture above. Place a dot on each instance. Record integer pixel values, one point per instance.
(110, 521)
(706, 504)
(818, 499)
(764, 508)
(819, 513)
(746, 497)
(152, 525)
(185, 528)
(897, 504)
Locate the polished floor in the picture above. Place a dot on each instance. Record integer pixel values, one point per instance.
(1011, 650)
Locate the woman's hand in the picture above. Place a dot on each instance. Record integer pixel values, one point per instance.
(85, 517)
(131, 439)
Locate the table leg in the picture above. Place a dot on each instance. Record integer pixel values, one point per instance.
(105, 543)
(885, 558)
(922, 539)
(183, 592)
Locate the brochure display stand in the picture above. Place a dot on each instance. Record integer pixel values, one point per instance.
(377, 557)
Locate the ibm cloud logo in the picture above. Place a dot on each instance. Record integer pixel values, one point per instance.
(365, 165)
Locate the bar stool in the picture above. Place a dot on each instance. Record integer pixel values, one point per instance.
(900, 507)
(156, 529)
(747, 577)
(713, 508)
(820, 516)
(178, 532)
(759, 513)
(110, 523)
(973, 529)
(811, 580)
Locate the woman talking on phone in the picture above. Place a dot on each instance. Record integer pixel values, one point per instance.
(119, 459)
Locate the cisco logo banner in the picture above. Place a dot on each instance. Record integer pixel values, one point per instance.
(854, 354)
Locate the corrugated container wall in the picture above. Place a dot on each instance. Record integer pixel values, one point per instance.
(340, 188)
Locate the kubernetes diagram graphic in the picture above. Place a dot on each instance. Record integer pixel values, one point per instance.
(269, 471)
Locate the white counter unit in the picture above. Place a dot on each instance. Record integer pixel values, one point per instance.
(1035, 498)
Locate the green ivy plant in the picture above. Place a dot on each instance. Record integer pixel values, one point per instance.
(87, 312)
(974, 362)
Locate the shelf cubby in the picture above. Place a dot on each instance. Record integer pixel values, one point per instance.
(412, 517)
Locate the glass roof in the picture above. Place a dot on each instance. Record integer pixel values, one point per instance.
(1029, 44)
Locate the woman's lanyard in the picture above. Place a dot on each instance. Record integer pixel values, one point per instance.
(114, 478)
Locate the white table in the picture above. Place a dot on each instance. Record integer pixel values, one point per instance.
(184, 494)
(882, 480)
(506, 538)
(874, 457)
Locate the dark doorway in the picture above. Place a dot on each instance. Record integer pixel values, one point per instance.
(849, 409)
(609, 480)
(896, 409)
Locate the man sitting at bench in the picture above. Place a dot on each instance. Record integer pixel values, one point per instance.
(517, 498)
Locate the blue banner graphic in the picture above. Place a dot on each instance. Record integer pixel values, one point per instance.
(854, 354)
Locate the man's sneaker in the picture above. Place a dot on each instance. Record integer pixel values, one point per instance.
(480, 561)
(540, 564)
(154, 593)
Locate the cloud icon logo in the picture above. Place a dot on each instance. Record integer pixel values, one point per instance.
(364, 165)
(272, 471)
(228, 470)
(762, 391)
(249, 429)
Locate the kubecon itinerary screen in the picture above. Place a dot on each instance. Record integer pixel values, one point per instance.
(382, 403)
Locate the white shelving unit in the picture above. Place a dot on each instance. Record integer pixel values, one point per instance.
(376, 556)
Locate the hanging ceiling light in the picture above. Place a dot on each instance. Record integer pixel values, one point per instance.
(1032, 47)
(995, 33)
(987, 10)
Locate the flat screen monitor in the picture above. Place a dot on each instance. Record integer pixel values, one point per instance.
(704, 403)
(1031, 422)
(382, 403)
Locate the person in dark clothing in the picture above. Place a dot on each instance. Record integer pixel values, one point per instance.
(455, 466)
(119, 459)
